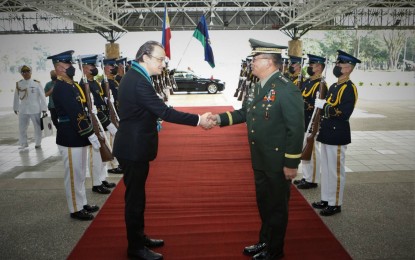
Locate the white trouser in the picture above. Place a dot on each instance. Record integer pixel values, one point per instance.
(74, 160)
(24, 124)
(97, 168)
(114, 163)
(311, 169)
(333, 173)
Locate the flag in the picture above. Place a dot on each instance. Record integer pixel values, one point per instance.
(166, 33)
(201, 33)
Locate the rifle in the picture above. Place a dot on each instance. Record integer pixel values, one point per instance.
(314, 121)
(246, 83)
(300, 76)
(112, 112)
(242, 76)
(106, 154)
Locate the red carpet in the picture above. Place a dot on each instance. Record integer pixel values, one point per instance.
(201, 201)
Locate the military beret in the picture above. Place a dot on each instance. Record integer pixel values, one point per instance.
(315, 59)
(109, 62)
(259, 47)
(89, 59)
(343, 57)
(65, 57)
(121, 60)
(295, 59)
(25, 68)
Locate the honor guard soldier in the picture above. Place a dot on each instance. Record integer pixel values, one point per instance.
(97, 167)
(274, 114)
(74, 135)
(285, 66)
(121, 69)
(110, 70)
(310, 90)
(29, 102)
(334, 134)
(294, 70)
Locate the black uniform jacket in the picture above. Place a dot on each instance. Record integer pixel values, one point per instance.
(310, 89)
(274, 115)
(74, 125)
(334, 125)
(139, 109)
(113, 86)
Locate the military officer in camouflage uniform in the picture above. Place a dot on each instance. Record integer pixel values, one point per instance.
(274, 114)
(97, 167)
(74, 135)
(334, 134)
(309, 91)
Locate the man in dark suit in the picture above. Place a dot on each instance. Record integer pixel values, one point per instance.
(136, 141)
(274, 114)
(334, 134)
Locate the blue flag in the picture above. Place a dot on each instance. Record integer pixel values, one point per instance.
(201, 33)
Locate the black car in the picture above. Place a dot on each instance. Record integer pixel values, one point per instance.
(188, 81)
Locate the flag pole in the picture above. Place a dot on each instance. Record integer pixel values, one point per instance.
(184, 51)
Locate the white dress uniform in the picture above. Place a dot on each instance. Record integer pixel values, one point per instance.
(29, 101)
(97, 168)
(311, 169)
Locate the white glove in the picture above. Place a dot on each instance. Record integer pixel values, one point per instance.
(113, 130)
(93, 139)
(319, 103)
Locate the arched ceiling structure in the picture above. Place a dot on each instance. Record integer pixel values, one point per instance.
(114, 18)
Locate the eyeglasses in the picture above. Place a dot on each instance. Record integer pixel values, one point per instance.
(160, 59)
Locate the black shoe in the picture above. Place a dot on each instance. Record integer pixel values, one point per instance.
(264, 255)
(254, 249)
(307, 185)
(296, 182)
(144, 254)
(108, 184)
(117, 170)
(152, 243)
(261, 256)
(101, 189)
(91, 208)
(82, 215)
(320, 205)
(331, 210)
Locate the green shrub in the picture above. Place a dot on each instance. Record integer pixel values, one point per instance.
(380, 84)
(406, 84)
(388, 83)
(398, 83)
(360, 83)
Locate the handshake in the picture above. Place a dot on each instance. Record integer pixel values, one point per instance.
(208, 120)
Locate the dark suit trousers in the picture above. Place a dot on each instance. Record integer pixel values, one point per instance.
(135, 176)
(272, 195)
